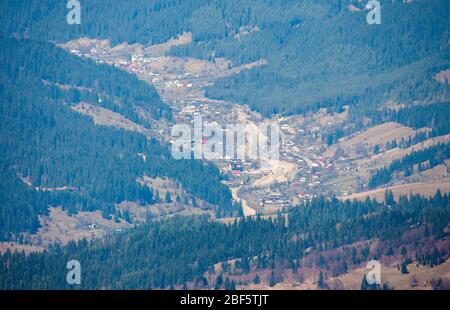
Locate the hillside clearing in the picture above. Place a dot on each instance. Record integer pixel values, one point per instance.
(426, 189)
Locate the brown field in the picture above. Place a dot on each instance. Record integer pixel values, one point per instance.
(105, 117)
(123, 48)
(386, 158)
(161, 49)
(84, 43)
(437, 173)
(396, 279)
(443, 76)
(352, 280)
(246, 209)
(327, 119)
(59, 227)
(378, 135)
(162, 210)
(426, 189)
(176, 65)
(15, 247)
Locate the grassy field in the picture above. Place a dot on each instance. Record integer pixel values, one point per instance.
(426, 189)
(352, 280)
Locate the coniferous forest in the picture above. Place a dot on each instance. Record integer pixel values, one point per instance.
(53, 147)
(319, 60)
(319, 53)
(183, 250)
(419, 160)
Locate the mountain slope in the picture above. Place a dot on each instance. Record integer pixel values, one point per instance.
(51, 155)
(318, 53)
(321, 235)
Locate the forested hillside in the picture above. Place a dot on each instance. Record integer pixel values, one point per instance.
(181, 250)
(416, 161)
(145, 22)
(75, 80)
(286, 58)
(45, 145)
(433, 116)
(318, 53)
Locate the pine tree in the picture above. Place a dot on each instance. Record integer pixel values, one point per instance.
(168, 198)
(403, 251)
(272, 280)
(219, 282)
(256, 280)
(157, 198)
(376, 149)
(389, 197)
(321, 281)
(404, 269)
(365, 286)
(232, 286)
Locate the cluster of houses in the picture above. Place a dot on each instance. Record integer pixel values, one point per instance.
(278, 199)
(175, 83)
(195, 108)
(239, 167)
(300, 146)
(305, 196)
(137, 64)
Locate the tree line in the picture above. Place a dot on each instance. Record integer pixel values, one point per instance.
(181, 250)
(48, 145)
(421, 160)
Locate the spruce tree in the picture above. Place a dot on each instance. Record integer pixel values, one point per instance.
(168, 198)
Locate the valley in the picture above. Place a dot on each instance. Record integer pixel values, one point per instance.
(307, 166)
(250, 145)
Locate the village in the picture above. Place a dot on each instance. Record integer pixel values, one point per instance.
(305, 168)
